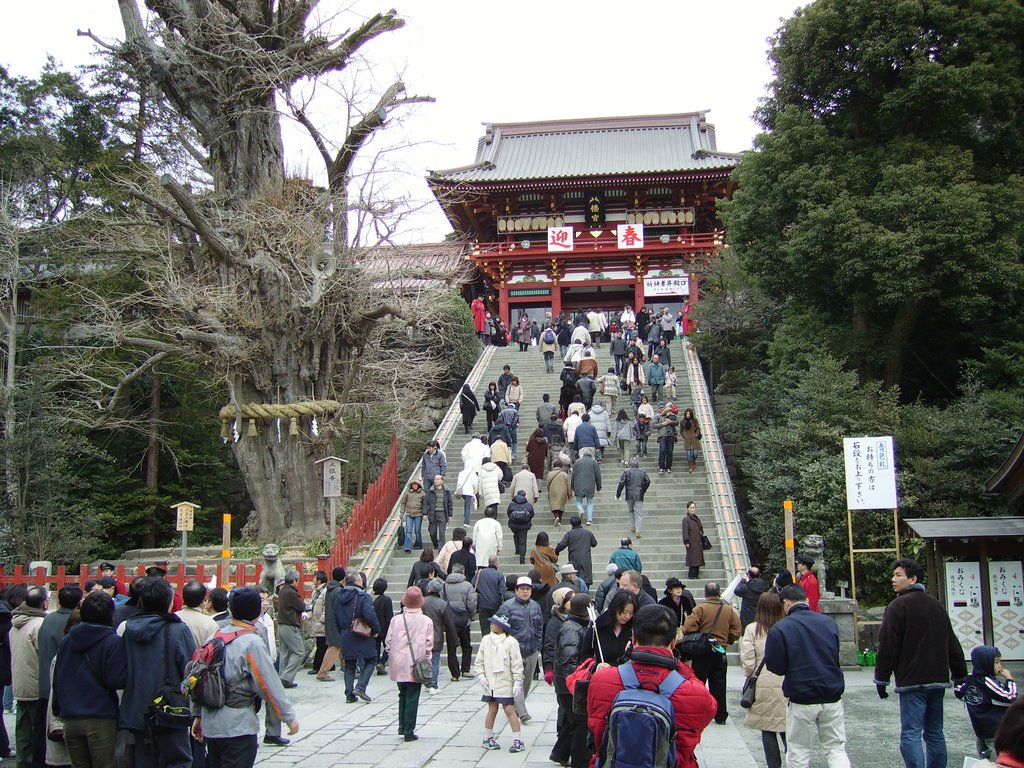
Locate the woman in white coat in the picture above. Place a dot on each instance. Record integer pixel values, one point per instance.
(490, 475)
(410, 638)
(768, 714)
(487, 536)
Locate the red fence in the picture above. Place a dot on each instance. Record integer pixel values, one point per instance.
(368, 515)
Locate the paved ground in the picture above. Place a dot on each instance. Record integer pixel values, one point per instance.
(450, 727)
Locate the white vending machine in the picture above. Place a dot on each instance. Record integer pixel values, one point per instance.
(963, 601)
(1006, 590)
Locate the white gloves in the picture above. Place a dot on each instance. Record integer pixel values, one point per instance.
(486, 686)
(517, 689)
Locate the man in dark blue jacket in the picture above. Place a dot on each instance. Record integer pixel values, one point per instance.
(158, 645)
(359, 651)
(804, 648)
(490, 591)
(91, 668)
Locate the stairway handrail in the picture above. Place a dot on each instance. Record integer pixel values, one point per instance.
(383, 545)
(723, 498)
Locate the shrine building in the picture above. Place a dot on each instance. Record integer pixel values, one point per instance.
(592, 213)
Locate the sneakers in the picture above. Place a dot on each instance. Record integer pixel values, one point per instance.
(517, 746)
(661, 471)
(431, 689)
(525, 718)
(491, 743)
(590, 522)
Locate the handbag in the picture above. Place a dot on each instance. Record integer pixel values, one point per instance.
(170, 709)
(578, 684)
(693, 644)
(749, 694)
(360, 628)
(422, 670)
(401, 534)
(705, 542)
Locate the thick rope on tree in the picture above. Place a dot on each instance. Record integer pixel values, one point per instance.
(291, 411)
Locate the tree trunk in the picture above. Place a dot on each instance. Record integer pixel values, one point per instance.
(281, 474)
(248, 161)
(861, 328)
(153, 462)
(902, 328)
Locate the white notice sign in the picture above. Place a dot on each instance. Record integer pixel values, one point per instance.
(332, 478)
(630, 235)
(560, 238)
(870, 473)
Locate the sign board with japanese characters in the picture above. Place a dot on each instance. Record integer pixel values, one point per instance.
(1006, 596)
(630, 235)
(667, 286)
(332, 477)
(870, 473)
(186, 516)
(560, 238)
(963, 603)
(595, 209)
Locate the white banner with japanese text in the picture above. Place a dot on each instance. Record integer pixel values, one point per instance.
(560, 238)
(630, 235)
(870, 472)
(667, 286)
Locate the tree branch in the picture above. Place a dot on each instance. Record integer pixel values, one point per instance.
(335, 59)
(127, 379)
(102, 44)
(202, 226)
(250, 26)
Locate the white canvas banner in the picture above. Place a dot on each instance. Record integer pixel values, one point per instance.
(870, 472)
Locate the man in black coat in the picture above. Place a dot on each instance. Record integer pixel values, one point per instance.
(579, 541)
(749, 590)
(332, 634)
(917, 645)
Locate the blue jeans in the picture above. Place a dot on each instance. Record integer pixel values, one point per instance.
(413, 527)
(620, 364)
(365, 670)
(921, 718)
(435, 664)
(467, 506)
(590, 506)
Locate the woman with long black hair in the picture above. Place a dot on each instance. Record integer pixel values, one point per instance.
(492, 404)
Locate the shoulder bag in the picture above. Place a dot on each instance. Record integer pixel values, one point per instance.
(749, 694)
(422, 670)
(705, 542)
(693, 644)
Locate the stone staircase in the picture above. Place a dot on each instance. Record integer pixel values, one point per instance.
(660, 547)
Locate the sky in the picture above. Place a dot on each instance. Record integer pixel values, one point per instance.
(487, 62)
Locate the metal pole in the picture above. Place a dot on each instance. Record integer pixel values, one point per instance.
(853, 573)
(896, 530)
(334, 519)
(787, 507)
(225, 552)
(184, 548)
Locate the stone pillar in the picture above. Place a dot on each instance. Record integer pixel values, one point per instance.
(843, 611)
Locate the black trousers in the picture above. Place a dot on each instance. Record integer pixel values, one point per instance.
(519, 536)
(572, 735)
(236, 752)
(711, 669)
(321, 649)
(466, 643)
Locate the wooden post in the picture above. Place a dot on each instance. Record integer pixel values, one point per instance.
(853, 573)
(787, 508)
(225, 552)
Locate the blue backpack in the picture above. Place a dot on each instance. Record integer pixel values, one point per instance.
(641, 728)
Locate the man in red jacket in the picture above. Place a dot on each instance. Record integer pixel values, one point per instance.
(654, 636)
(804, 564)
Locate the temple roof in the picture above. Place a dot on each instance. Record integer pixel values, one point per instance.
(605, 146)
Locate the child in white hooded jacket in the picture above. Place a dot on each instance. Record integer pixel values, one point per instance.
(499, 672)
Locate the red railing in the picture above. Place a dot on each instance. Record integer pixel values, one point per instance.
(368, 514)
(241, 575)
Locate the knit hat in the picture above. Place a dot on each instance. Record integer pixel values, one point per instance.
(611, 568)
(434, 587)
(245, 604)
(578, 606)
(412, 598)
(559, 595)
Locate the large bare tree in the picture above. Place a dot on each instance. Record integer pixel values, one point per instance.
(256, 279)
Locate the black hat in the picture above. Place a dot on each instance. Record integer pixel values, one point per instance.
(671, 582)
(157, 570)
(107, 567)
(245, 604)
(806, 560)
